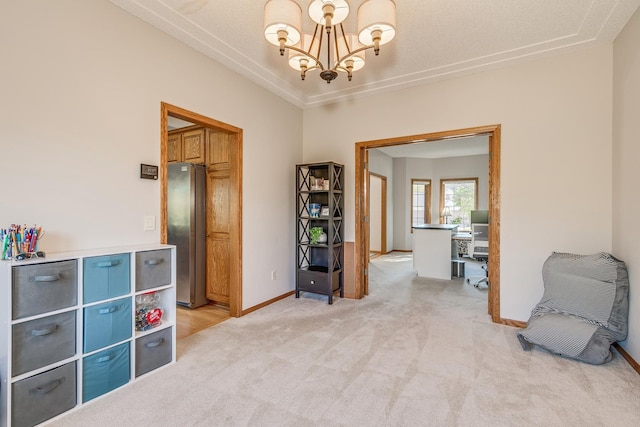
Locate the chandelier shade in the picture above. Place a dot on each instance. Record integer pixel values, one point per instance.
(343, 45)
(282, 18)
(318, 9)
(298, 60)
(376, 15)
(344, 52)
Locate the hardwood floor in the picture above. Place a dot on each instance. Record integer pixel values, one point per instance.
(192, 320)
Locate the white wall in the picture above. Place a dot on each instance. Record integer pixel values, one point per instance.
(401, 193)
(556, 154)
(81, 86)
(382, 164)
(436, 169)
(626, 150)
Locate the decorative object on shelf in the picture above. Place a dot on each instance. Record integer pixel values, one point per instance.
(324, 211)
(314, 210)
(315, 233)
(318, 184)
(20, 242)
(148, 311)
(345, 51)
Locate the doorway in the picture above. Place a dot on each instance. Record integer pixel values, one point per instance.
(224, 180)
(363, 197)
(377, 215)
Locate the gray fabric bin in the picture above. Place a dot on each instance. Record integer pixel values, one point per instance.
(38, 288)
(43, 396)
(153, 269)
(43, 341)
(153, 351)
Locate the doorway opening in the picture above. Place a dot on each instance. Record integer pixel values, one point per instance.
(223, 157)
(362, 195)
(377, 215)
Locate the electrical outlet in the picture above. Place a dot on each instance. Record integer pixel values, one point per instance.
(149, 223)
(273, 275)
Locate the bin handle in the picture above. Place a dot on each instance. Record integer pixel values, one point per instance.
(109, 356)
(46, 331)
(107, 264)
(153, 261)
(109, 310)
(47, 388)
(50, 278)
(154, 344)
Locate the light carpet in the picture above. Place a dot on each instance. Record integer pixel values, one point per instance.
(415, 352)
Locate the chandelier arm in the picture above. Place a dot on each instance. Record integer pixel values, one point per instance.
(350, 54)
(344, 37)
(335, 43)
(318, 35)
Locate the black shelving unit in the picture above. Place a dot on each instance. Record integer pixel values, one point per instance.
(320, 264)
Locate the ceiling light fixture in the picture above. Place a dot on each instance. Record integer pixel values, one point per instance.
(345, 52)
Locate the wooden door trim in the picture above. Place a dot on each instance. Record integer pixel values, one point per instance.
(361, 205)
(383, 213)
(235, 198)
(362, 177)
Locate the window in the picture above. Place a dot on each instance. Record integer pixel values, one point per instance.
(460, 196)
(420, 202)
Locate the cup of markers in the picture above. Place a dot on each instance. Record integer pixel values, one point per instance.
(20, 242)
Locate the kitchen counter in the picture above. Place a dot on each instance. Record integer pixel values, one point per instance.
(432, 250)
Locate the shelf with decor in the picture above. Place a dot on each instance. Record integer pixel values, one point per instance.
(319, 229)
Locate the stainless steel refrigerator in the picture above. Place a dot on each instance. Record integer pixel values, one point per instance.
(186, 228)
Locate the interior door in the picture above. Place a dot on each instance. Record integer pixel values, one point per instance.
(218, 217)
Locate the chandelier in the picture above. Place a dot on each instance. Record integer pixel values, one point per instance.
(344, 51)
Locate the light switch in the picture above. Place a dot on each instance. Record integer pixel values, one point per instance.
(149, 223)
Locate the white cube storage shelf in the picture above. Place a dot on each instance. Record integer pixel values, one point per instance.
(67, 327)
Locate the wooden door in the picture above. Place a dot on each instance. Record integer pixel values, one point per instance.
(218, 217)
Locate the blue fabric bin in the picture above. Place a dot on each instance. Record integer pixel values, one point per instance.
(105, 371)
(106, 277)
(107, 323)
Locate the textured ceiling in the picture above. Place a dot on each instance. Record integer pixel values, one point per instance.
(435, 39)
